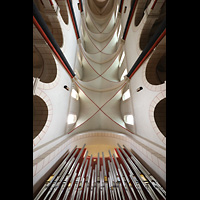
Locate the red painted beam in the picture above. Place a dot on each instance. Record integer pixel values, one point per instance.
(71, 11)
(153, 42)
(50, 44)
(148, 53)
(154, 3)
(121, 6)
(81, 5)
(51, 2)
(130, 17)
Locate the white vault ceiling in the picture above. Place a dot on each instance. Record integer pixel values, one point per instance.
(100, 89)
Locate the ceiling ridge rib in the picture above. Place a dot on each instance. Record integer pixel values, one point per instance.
(110, 55)
(116, 122)
(95, 6)
(87, 86)
(104, 17)
(106, 35)
(100, 108)
(104, 7)
(109, 38)
(100, 75)
(91, 13)
(83, 122)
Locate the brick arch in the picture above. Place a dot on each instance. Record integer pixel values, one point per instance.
(102, 137)
(63, 10)
(151, 63)
(49, 71)
(40, 113)
(160, 116)
(49, 74)
(38, 63)
(49, 11)
(152, 107)
(42, 95)
(155, 16)
(141, 6)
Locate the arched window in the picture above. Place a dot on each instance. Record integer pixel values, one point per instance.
(50, 17)
(38, 63)
(129, 119)
(63, 10)
(160, 116)
(44, 66)
(151, 25)
(71, 119)
(142, 5)
(156, 68)
(40, 114)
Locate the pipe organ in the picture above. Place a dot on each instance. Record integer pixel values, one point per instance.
(120, 176)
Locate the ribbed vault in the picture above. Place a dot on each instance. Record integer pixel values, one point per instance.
(100, 89)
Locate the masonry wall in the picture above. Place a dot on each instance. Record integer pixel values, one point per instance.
(52, 92)
(51, 142)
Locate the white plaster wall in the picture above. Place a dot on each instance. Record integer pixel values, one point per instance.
(57, 99)
(141, 108)
(141, 101)
(149, 146)
(146, 152)
(58, 96)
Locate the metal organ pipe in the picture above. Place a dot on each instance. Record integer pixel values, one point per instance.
(54, 175)
(116, 177)
(105, 176)
(151, 179)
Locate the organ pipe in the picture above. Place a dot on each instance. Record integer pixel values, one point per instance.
(119, 176)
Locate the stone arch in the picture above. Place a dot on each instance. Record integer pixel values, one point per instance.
(141, 6)
(38, 63)
(48, 68)
(49, 14)
(40, 113)
(156, 68)
(154, 79)
(153, 105)
(160, 116)
(63, 10)
(154, 18)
